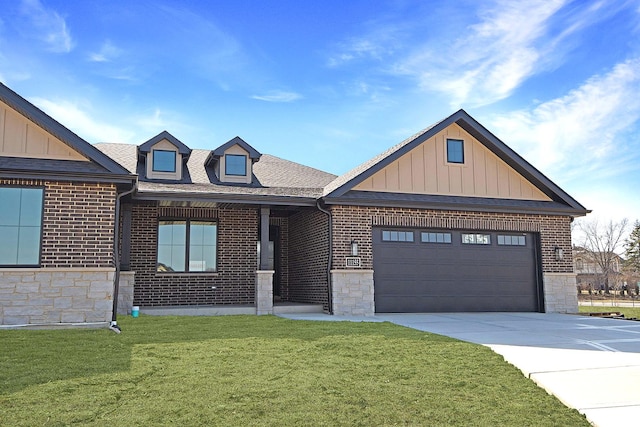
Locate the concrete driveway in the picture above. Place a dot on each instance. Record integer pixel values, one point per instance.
(590, 364)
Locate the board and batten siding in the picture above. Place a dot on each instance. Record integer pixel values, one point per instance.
(424, 170)
(20, 137)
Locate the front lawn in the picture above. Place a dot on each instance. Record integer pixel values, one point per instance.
(249, 370)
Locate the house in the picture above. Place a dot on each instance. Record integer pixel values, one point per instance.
(451, 219)
(589, 273)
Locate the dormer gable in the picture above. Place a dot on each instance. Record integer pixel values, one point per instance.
(164, 157)
(233, 161)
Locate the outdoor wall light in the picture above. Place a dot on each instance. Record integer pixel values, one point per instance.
(354, 248)
(559, 253)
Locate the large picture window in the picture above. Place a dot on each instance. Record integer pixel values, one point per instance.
(20, 226)
(187, 246)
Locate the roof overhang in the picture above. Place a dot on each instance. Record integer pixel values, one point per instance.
(246, 199)
(453, 203)
(69, 176)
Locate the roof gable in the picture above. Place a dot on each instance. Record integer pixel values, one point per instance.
(352, 179)
(182, 148)
(54, 136)
(426, 170)
(253, 153)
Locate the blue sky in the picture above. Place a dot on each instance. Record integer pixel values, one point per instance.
(331, 84)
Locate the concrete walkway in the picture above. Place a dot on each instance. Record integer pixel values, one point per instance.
(590, 364)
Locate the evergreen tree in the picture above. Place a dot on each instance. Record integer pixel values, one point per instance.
(632, 249)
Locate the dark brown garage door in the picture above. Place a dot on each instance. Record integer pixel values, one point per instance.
(454, 271)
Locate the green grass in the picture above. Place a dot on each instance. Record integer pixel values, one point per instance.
(249, 370)
(627, 311)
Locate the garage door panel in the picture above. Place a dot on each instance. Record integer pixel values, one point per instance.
(410, 289)
(436, 277)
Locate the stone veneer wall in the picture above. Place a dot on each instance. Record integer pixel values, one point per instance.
(72, 283)
(560, 294)
(308, 258)
(46, 296)
(352, 292)
(264, 292)
(356, 223)
(234, 281)
(125, 292)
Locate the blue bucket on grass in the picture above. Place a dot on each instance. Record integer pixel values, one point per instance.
(135, 311)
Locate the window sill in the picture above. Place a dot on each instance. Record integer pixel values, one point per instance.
(188, 273)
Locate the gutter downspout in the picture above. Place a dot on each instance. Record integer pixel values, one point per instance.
(113, 325)
(329, 285)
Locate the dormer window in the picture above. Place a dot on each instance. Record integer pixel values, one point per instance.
(233, 161)
(235, 164)
(164, 161)
(163, 157)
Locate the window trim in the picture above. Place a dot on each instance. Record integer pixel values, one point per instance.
(511, 236)
(444, 238)
(449, 160)
(153, 161)
(475, 239)
(406, 233)
(40, 238)
(188, 245)
(226, 164)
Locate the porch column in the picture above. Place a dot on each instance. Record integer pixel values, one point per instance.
(264, 238)
(264, 277)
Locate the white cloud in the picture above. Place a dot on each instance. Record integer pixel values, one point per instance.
(108, 51)
(492, 58)
(278, 96)
(48, 26)
(377, 45)
(76, 118)
(584, 128)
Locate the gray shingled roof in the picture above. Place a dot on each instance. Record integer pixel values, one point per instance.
(48, 165)
(273, 176)
(358, 170)
(278, 178)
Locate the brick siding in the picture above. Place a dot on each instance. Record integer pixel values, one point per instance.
(356, 222)
(77, 226)
(237, 258)
(308, 257)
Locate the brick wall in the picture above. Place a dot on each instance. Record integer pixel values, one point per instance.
(308, 254)
(355, 223)
(237, 258)
(77, 226)
(75, 281)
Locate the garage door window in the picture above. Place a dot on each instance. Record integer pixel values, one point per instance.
(397, 236)
(504, 240)
(476, 239)
(426, 237)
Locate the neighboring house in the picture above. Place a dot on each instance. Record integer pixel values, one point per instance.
(451, 219)
(590, 274)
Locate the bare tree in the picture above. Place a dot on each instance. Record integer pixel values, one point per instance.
(600, 243)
